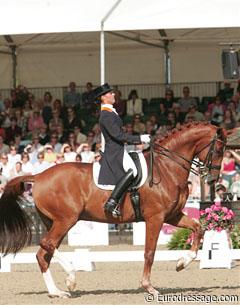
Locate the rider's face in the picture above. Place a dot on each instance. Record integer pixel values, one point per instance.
(108, 98)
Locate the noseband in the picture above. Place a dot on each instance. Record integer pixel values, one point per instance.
(204, 167)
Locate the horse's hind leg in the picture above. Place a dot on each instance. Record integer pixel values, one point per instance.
(48, 246)
(184, 221)
(153, 227)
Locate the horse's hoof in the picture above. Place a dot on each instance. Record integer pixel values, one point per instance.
(71, 284)
(180, 264)
(60, 294)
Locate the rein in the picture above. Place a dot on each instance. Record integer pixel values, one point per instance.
(173, 155)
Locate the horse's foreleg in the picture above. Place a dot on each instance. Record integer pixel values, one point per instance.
(68, 267)
(153, 227)
(184, 221)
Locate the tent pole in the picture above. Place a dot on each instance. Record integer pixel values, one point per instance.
(167, 64)
(102, 41)
(14, 65)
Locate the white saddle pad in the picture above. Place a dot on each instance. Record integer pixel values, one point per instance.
(128, 163)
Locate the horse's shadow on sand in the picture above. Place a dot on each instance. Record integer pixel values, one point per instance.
(177, 290)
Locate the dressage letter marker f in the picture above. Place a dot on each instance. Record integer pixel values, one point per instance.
(212, 248)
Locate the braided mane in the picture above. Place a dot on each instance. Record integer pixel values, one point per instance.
(175, 133)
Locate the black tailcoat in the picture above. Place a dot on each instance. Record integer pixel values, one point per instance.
(112, 161)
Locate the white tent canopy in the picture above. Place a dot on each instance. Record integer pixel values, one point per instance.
(54, 16)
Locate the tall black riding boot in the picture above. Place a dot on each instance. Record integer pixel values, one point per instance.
(118, 192)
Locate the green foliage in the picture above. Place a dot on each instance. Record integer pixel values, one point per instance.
(179, 239)
(235, 237)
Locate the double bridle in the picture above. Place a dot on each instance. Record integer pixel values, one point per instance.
(204, 167)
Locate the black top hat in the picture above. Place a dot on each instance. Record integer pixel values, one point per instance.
(101, 90)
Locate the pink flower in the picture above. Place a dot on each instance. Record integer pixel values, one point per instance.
(230, 212)
(210, 226)
(228, 217)
(201, 212)
(209, 217)
(216, 208)
(218, 229)
(208, 210)
(216, 217)
(225, 210)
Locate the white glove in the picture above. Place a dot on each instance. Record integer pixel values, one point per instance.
(145, 138)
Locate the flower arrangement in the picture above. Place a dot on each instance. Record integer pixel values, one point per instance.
(216, 218)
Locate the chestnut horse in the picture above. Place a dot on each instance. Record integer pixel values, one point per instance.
(66, 193)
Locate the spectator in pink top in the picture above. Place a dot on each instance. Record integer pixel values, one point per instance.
(35, 122)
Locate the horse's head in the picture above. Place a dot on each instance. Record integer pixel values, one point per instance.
(210, 153)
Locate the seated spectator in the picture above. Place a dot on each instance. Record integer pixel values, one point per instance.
(228, 169)
(220, 189)
(154, 120)
(35, 122)
(60, 158)
(47, 107)
(13, 156)
(120, 104)
(134, 104)
(179, 116)
(186, 101)
(69, 154)
(169, 99)
(207, 116)
(16, 170)
(217, 110)
(226, 93)
(71, 120)
(4, 148)
(163, 113)
(172, 118)
(55, 121)
(72, 141)
(12, 131)
(235, 187)
(72, 98)
(196, 115)
(43, 136)
(61, 134)
(86, 97)
(149, 128)
(90, 139)
(49, 154)
(41, 165)
(86, 154)
(97, 134)
(3, 182)
(21, 120)
(78, 158)
(228, 120)
(5, 166)
(27, 166)
(54, 143)
(27, 110)
(80, 137)
(34, 148)
(138, 125)
(57, 105)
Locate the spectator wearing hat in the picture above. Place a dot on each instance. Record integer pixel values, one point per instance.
(69, 155)
(87, 155)
(134, 104)
(49, 154)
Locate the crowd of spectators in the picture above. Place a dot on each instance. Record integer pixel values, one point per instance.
(38, 133)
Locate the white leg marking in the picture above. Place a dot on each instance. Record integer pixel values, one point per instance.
(184, 261)
(68, 267)
(52, 289)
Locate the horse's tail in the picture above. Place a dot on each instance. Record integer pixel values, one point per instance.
(15, 225)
